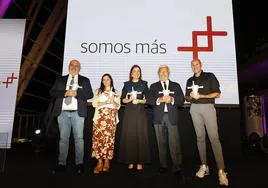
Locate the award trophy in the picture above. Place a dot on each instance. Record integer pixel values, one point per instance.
(195, 88)
(75, 86)
(134, 93)
(111, 93)
(166, 92)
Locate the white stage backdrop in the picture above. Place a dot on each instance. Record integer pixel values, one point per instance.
(11, 41)
(112, 35)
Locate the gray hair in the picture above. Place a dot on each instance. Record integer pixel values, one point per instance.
(163, 66)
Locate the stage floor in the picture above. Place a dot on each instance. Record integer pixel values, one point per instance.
(27, 168)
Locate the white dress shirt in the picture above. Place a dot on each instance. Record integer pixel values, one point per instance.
(73, 105)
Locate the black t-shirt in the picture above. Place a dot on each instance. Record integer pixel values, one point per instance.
(210, 85)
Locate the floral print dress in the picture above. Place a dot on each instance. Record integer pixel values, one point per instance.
(104, 127)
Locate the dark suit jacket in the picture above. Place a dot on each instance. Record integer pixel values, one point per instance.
(83, 94)
(158, 110)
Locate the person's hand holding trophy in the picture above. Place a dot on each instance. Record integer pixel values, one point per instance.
(73, 91)
(111, 97)
(166, 96)
(133, 96)
(194, 93)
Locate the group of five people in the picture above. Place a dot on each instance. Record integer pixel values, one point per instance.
(73, 90)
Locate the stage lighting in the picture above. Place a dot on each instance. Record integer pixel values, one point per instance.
(37, 131)
(37, 140)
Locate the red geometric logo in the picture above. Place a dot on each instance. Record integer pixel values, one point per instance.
(9, 80)
(209, 33)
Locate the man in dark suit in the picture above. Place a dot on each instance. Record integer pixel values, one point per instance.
(164, 96)
(71, 93)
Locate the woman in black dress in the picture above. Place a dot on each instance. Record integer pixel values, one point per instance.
(134, 145)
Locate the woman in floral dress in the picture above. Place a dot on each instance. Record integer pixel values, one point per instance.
(106, 102)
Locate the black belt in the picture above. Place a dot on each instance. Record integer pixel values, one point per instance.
(69, 110)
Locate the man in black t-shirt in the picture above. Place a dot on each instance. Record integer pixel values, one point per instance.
(204, 118)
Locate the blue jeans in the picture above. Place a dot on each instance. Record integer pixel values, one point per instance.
(67, 121)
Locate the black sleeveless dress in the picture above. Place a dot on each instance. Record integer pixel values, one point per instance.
(134, 142)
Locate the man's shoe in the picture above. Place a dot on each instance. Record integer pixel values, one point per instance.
(162, 171)
(179, 175)
(223, 180)
(59, 169)
(203, 171)
(79, 169)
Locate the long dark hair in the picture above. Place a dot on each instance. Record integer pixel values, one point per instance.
(135, 66)
(102, 87)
